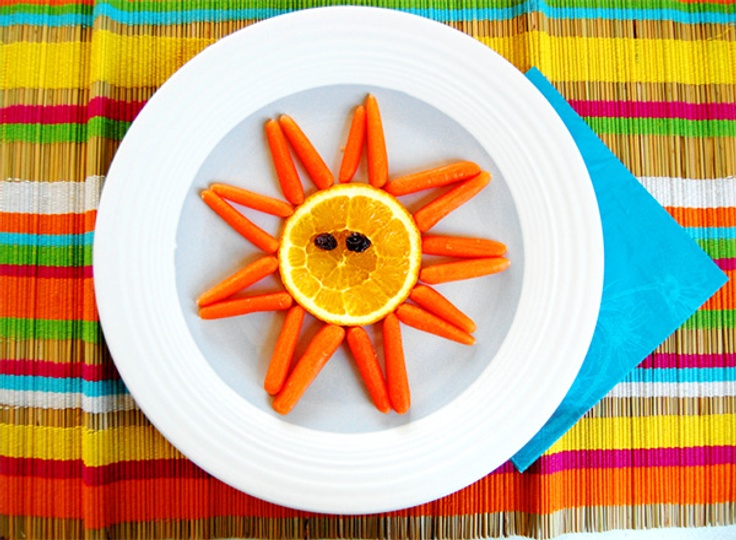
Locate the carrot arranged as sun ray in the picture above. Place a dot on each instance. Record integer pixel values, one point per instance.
(256, 201)
(376, 144)
(239, 222)
(397, 380)
(435, 303)
(462, 269)
(432, 212)
(318, 352)
(365, 358)
(315, 166)
(247, 304)
(353, 146)
(458, 246)
(423, 320)
(291, 185)
(436, 177)
(283, 352)
(243, 278)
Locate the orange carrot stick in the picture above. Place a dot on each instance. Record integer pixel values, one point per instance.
(315, 166)
(463, 269)
(437, 304)
(291, 185)
(353, 146)
(439, 176)
(397, 380)
(253, 200)
(457, 246)
(367, 362)
(239, 222)
(283, 352)
(245, 277)
(248, 304)
(432, 212)
(376, 143)
(423, 320)
(319, 351)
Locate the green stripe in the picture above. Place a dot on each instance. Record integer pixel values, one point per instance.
(718, 248)
(46, 255)
(656, 5)
(36, 9)
(677, 127)
(16, 328)
(711, 319)
(64, 133)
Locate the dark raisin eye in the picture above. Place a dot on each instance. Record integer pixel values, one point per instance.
(325, 241)
(357, 242)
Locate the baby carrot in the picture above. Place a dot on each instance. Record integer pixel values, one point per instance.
(459, 246)
(283, 352)
(253, 200)
(432, 212)
(291, 185)
(353, 146)
(367, 362)
(463, 269)
(397, 380)
(319, 351)
(240, 223)
(423, 320)
(315, 166)
(439, 176)
(437, 304)
(376, 143)
(248, 304)
(245, 277)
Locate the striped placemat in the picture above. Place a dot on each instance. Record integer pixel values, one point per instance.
(654, 79)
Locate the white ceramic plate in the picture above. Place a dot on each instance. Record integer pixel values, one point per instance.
(443, 96)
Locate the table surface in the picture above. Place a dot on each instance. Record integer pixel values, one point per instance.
(78, 458)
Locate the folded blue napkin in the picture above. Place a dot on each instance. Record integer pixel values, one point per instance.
(655, 277)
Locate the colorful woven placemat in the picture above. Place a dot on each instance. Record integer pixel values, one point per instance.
(656, 80)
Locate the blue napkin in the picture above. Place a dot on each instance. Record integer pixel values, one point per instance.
(655, 277)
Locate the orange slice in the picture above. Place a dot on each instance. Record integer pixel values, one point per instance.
(350, 254)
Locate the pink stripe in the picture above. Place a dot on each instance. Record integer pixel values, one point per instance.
(47, 272)
(679, 361)
(124, 111)
(726, 264)
(656, 109)
(73, 370)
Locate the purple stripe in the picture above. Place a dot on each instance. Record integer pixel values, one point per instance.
(674, 360)
(655, 109)
(50, 272)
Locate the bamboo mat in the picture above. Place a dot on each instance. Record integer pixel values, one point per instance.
(655, 79)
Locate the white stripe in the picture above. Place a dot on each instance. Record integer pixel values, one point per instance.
(676, 390)
(26, 197)
(690, 193)
(67, 400)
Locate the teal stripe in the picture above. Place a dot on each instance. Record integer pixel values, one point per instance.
(677, 127)
(27, 329)
(30, 383)
(711, 233)
(46, 255)
(683, 375)
(46, 240)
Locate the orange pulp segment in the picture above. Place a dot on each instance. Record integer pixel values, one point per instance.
(344, 286)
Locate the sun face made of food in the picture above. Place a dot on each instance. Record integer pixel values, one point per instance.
(350, 254)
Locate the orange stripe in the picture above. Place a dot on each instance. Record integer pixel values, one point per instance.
(41, 497)
(725, 298)
(51, 299)
(704, 217)
(48, 223)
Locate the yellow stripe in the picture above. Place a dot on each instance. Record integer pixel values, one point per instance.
(96, 448)
(140, 61)
(44, 65)
(622, 433)
(620, 59)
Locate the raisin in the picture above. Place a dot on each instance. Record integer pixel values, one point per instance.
(325, 241)
(357, 242)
